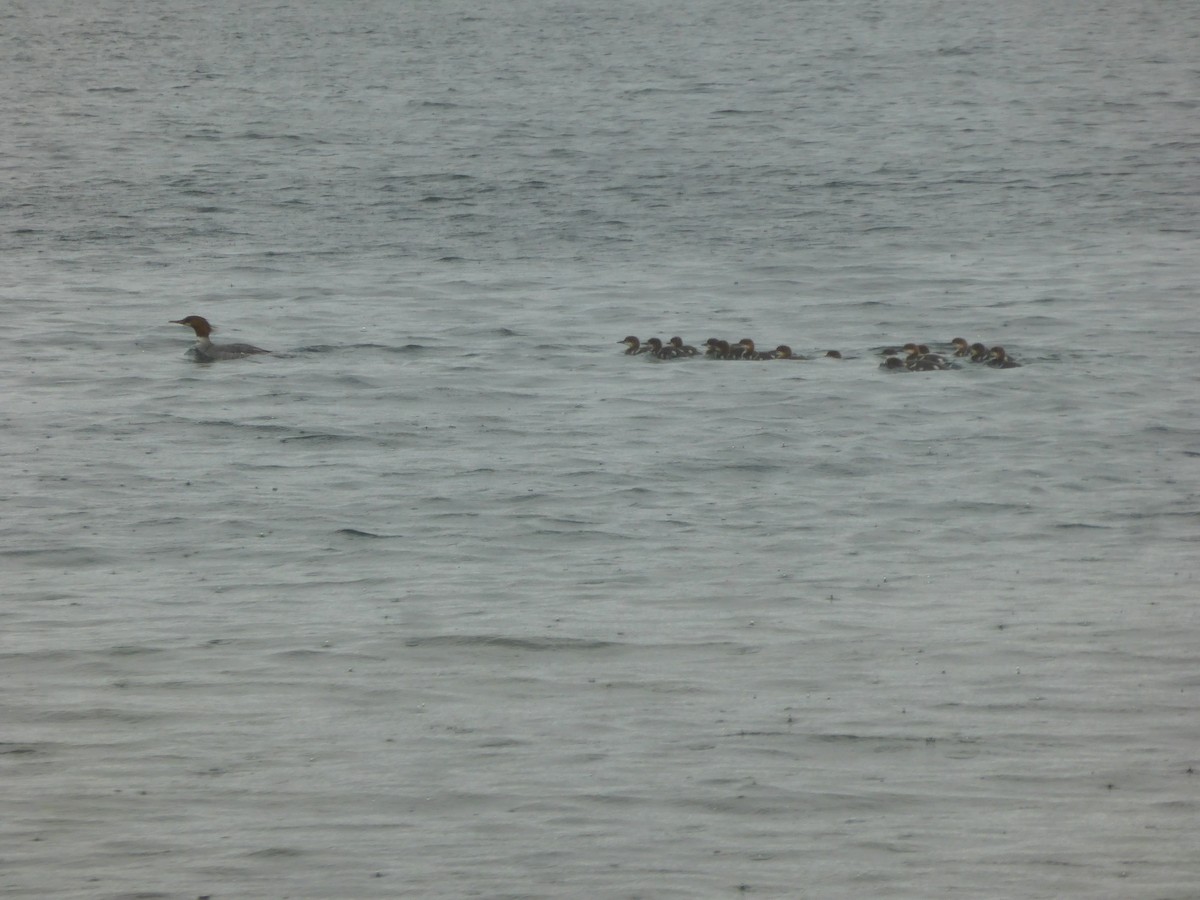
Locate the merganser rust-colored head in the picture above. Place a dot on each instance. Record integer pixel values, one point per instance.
(198, 324)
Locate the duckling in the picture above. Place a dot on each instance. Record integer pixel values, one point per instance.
(684, 349)
(748, 351)
(998, 359)
(921, 360)
(658, 351)
(783, 351)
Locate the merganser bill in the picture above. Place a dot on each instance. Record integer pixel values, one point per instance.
(205, 350)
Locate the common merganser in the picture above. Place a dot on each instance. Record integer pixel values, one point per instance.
(783, 351)
(205, 350)
(633, 346)
(961, 348)
(833, 354)
(978, 352)
(724, 350)
(748, 351)
(684, 349)
(921, 360)
(654, 346)
(893, 364)
(998, 359)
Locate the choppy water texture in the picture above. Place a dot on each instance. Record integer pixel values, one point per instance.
(450, 598)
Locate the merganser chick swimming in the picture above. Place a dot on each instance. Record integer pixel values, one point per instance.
(921, 360)
(783, 351)
(633, 346)
(748, 351)
(833, 354)
(979, 353)
(205, 350)
(681, 347)
(961, 348)
(998, 359)
(655, 348)
(893, 364)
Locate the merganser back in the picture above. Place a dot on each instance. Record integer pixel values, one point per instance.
(205, 350)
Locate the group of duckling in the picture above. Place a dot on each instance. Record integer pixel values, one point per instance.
(714, 348)
(919, 358)
(915, 358)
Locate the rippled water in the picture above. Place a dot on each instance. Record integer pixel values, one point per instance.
(449, 597)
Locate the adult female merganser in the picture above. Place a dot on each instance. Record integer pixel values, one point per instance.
(998, 359)
(205, 350)
(684, 349)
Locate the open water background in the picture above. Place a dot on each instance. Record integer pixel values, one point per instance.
(449, 598)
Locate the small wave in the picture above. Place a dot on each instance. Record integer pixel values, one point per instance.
(355, 532)
(507, 642)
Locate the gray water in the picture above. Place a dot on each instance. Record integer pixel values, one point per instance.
(447, 597)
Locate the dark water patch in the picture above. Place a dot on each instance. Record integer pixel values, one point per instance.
(326, 437)
(275, 853)
(132, 650)
(104, 714)
(62, 556)
(15, 749)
